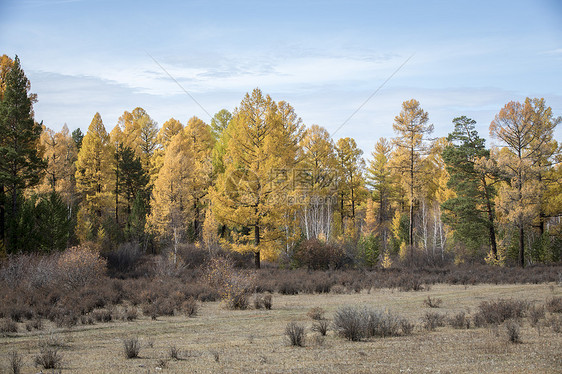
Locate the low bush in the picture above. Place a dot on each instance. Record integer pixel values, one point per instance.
(174, 353)
(349, 322)
(459, 321)
(356, 324)
(295, 332)
(15, 362)
(263, 301)
(381, 324)
(554, 305)
(555, 323)
(432, 303)
(498, 311)
(536, 313)
(321, 326)
(131, 347)
(48, 357)
(103, 315)
(8, 326)
(316, 254)
(234, 286)
(432, 320)
(190, 307)
(316, 313)
(513, 331)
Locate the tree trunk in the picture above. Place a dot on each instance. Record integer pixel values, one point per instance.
(2, 215)
(257, 243)
(521, 247)
(492, 229)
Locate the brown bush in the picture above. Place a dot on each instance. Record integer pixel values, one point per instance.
(432, 320)
(498, 311)
(316, 254)
(554, 305)
(316, 313)
(295, 333)
(80, 266)
(459, 321)
(8, 326)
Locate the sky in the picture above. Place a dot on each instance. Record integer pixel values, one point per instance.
(345, 65)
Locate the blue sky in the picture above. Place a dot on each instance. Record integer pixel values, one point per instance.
(324, 57)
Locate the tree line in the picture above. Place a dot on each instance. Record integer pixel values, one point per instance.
(258, 180)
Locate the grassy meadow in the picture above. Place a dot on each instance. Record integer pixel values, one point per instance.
(233, 341)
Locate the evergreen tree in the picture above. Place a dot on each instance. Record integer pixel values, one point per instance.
(471, 212)
(21, 165)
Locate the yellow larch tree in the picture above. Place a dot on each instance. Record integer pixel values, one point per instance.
(171, 212)
(249, 195)
(93, 178)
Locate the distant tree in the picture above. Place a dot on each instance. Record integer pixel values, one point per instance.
(220, 122)
(77, 136)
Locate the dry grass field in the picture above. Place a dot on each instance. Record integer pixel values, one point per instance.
(219, 340)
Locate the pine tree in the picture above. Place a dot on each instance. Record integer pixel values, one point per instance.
(471, 213)
(21, 165)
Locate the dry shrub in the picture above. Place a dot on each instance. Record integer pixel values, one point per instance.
(295, 332)
(321, 326)
(103, 315)
(536, 313)
(8, 326)
(432, 320)
(356, 324)
(131, 347)
(48, 357)
(349, 323)
(79, 266)
(459, 321)
(554, 305)
(316, 254)
(432, 303)
(289, 287)
(15, 362)
(263, 301)
(406, 326)
(174, 353)
(36, 324)
(513, 331)
(130, 314)
(190, 307)
(234, 286)
(555, 323)
(498, 311)
(338, 289)
(316, 313)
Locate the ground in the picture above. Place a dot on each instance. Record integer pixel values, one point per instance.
(218, 340)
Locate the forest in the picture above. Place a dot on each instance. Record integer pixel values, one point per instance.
(258, 181)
